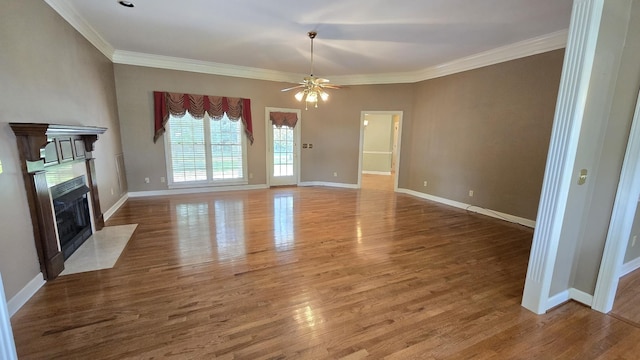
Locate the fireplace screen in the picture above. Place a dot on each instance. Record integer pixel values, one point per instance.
(73, 219)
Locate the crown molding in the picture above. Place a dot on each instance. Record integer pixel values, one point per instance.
(533, 46)
(553, 41)
(205, 67)
(537, 45)
(82, 26)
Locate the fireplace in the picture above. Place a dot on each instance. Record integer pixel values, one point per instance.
(73, 218)
(42, 146)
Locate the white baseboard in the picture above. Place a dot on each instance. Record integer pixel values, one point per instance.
(558, 299)
(376, 172)
(630, 266)
(197, 190)
(473, 208)
(112, 210)
(581, 296)
(21, 298)
(569, 294)
(329, 184)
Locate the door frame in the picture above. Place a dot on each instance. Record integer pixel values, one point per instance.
(269, 142)
(396, 168)
(622, 216)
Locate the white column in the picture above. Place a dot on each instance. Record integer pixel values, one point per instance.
(7, 346)
(574, 85)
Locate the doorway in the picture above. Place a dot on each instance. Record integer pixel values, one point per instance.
(380, 135)
(620, 254)
(283, 150)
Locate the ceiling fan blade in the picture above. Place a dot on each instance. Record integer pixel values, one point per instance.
(321, 80)
(294, 87)
(327, 86)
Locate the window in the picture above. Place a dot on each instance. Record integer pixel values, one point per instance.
(205, 152)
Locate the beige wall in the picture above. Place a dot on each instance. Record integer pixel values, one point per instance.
(333, 128)
(485, 130)
(604, 132)
(48, 73)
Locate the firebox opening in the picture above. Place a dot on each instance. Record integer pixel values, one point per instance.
(73, 218)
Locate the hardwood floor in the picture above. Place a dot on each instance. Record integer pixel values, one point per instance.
(626, 306)
(377, 182)
(310, 273)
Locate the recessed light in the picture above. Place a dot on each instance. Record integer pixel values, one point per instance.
(128, 4)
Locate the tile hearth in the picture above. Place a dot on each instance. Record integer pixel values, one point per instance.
(101, 250)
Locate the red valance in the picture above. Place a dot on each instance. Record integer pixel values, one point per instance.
(176, 104)
(280, 119)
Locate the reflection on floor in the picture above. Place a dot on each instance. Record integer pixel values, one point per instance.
(101, 250)
(626, 305)
(377, 182)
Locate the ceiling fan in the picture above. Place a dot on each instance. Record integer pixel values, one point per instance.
(312, 87)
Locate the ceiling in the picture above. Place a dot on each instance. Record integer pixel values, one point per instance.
(358, 41)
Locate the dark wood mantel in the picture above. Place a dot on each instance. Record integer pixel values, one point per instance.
(49, 144)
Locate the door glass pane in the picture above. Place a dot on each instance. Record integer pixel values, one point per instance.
(282, 151)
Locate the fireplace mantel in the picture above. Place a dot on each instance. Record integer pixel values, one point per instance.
(40, 145)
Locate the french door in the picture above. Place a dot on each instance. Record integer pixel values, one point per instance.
(283, 150)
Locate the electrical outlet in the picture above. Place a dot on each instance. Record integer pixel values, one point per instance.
(425, 183)
(471, 193)
(163, 179)
(633, 241)
(250, 175)
(146, 180)
(112, 192)
(335, 174)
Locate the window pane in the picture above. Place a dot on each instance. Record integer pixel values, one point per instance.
(226, 150)
(186, 137)
(190, 149)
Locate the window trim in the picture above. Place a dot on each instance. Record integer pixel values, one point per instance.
(210, 182)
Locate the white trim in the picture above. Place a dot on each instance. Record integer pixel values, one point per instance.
(109, 213)
(558, 299)
(64, 9)
(472, 208)
(580, 296)
(622, 217)
(378, 152)
(376, 172)
(204, 67)
(569, 294)
(549, 42)
(297, 133)
(210, 181)
(135, 194)
(558, 175)
(361, 149)
(629, 267)
(361, 153)
(7, 344)
(533, 46)
(21, 298)
(328, 184)
(398, 150)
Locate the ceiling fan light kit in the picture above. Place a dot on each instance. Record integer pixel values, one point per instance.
(312, 87)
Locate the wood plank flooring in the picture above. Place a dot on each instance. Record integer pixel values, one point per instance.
(626, 306)
(310, 273)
